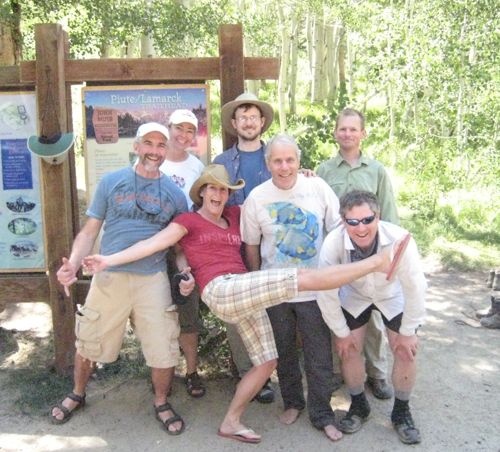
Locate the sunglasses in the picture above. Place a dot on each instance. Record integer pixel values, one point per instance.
(143, 200)
(354, 222)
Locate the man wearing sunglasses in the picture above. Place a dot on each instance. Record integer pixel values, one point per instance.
(347, 310)
(130, 204)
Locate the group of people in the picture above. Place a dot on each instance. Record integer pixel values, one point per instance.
(272, 251)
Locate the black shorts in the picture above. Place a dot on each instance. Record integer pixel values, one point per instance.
(357, 322)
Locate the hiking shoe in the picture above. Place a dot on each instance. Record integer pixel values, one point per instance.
(380, 388)
(492, 310)
(493, 321)
(357, 414)
(266, 394)
(402, 422)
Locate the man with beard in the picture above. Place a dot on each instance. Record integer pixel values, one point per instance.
(130, 204)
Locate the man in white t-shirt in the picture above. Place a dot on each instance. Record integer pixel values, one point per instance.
(282, 225)
(184, 168)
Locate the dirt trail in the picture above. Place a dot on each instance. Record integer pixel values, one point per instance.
(455, 402)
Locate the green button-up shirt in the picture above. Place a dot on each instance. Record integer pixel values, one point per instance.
(368, 175)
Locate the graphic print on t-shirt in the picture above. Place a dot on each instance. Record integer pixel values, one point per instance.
(297, 231)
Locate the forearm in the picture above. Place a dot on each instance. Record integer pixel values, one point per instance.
(252, 257)
(180, 258)
(84, 242)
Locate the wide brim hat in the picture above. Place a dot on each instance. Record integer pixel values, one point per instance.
(245, 98)
(54, 149)
(213, 174)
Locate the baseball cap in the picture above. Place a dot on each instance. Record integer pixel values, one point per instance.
(180, 116)
(149, 127)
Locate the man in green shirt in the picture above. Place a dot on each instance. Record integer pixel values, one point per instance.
(351, 170)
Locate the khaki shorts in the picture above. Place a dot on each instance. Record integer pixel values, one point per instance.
(113, 298)
(242, 299)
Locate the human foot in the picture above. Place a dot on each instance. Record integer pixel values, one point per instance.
(289, 416)
(194, 385)
(64, 410)
(332, 433)
(245, 435)
(173, 423)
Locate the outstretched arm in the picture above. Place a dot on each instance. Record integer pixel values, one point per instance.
(158, 242)
(82, 245)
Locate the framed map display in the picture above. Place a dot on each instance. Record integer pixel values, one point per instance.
(21, 221)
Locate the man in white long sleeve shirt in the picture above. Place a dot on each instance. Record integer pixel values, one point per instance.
(347, 310)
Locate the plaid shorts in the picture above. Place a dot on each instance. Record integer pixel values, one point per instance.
(243, 298)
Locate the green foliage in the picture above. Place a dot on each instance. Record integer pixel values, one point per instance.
(465, 235)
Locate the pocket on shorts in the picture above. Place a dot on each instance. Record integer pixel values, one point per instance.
(86, 332)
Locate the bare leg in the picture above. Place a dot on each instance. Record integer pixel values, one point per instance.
(189, 345)
(335, 276)
(353, 367)
(162, 379)
(81, 374)
(247, 388)
(404, 371)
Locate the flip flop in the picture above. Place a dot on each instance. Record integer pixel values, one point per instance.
(398, 254)
(240, 436)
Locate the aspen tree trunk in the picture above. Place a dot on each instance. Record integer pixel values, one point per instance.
(293, 64)
(284, 64)
(350, 66)
(332, 45)
(389, 88)
(342, 78)
(318, 51)
(11, 38)
(461, 133)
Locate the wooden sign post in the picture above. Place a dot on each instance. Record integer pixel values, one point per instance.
(52, 75)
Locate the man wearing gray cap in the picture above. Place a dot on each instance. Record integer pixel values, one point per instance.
(133, 204)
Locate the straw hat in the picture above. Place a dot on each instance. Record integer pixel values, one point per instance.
(245, 98)
(213, 174)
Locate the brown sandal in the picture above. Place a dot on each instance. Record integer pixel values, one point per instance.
(194, 385)
(169, 421)
(67, 414)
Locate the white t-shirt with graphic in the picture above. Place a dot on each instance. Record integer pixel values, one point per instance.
(290, 224)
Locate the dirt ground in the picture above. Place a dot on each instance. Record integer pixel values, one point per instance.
(455, 402)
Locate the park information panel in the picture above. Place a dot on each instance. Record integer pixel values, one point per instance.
(21, 226)
(112, 116)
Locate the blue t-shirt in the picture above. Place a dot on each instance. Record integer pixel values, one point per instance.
(125, 223)
(252, 165)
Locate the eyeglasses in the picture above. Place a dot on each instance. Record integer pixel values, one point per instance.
(144, 201)
(354, 222)
(252, 118)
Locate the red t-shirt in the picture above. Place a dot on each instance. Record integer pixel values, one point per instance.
(211, 250)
